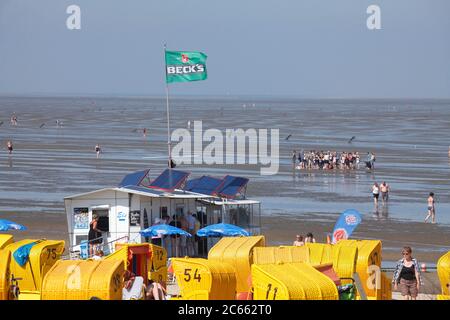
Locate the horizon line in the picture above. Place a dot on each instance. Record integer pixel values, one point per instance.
(229, 96)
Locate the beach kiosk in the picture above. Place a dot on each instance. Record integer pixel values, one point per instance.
(140, 201)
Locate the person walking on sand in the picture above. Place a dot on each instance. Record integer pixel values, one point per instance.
(294, 158)
(300, 159)
(98, 150)
(9, 146)
(384, 188)
(14, 119)
(375, 193)
(431, 208)
(372, 160)
(407, 276)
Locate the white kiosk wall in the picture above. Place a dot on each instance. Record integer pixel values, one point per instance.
(78, 219)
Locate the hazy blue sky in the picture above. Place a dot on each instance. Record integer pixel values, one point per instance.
(309, 48)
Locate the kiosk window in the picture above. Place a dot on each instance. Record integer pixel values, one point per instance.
(103, 219)
(103, 224)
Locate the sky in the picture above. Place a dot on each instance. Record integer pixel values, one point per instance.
(298, 48)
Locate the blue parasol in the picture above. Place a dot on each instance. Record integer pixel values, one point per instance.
(6, 225)
(163, 229)
(222, 230)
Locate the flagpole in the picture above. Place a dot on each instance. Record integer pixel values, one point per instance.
(168, 114)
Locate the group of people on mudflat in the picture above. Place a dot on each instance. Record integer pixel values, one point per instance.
(329, 160)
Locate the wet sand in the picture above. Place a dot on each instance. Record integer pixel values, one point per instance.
(410, 139)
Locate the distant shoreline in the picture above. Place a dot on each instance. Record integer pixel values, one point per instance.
(244, 97)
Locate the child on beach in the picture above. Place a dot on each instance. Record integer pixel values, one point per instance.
(431, 208)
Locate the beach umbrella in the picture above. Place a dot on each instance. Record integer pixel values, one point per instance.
(222, 230)
(163, 229)
(6, 225)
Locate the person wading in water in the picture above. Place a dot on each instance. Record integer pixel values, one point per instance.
(431, 208)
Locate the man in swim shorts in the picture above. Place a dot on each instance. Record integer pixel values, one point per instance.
(384, 188)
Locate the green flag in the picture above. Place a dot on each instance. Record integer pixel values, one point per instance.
(184, 66)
